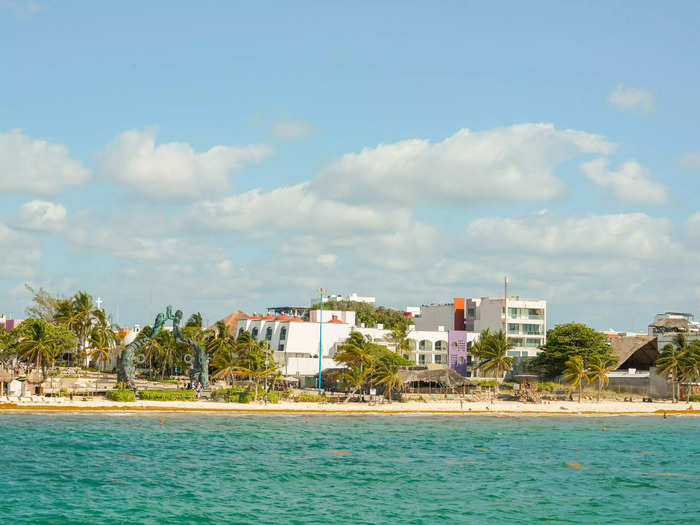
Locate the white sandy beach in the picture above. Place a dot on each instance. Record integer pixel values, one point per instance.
(413, 407)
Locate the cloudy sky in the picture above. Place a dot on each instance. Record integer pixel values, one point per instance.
(229, 156)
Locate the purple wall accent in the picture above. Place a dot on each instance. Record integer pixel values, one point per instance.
(457, 351)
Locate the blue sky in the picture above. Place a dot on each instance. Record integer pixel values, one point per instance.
(237, 155)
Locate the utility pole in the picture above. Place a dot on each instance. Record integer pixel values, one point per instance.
(320, 342)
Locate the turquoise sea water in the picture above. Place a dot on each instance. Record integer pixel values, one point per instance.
(127, 468)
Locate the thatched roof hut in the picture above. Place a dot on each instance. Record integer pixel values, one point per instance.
(671, 324)
(231, 321)
(637, 351)
(441, 378)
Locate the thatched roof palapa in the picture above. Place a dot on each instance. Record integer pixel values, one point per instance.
(445, 377)
(231, 321)
(672, 323)
(636, 351)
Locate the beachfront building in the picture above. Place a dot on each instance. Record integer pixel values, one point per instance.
(523, 320)
(296, 342)
(351, 297)
(433, 317)
(426, 347)
(668, 325)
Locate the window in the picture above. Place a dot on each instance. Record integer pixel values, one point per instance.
(425, 345)
(283, 334)
(254, 333)
(471, 312)
(268, 334)
(533, 329)
(532, 342)
(438, 358)
(440, 346)
(513, 353)
(421, 359)
(469, 360)
(240, 331)
(513, 327)
(280, 348)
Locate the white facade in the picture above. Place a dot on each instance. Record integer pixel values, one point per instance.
(525, 325)
(426, 347)
(347, 317)
(351, 297)
(296, 343)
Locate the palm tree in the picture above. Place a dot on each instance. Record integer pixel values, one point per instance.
(689, 368)
(354, 377)
(226, 362)
(169, 351)
(256, 362)
(399, 338)
(39, 345)
(575, 373)
(103, 340)
(195, 320)
(218, 339)
(386, 373)
(599, 370)
(669, 363)
(77, 314)
(492, 351)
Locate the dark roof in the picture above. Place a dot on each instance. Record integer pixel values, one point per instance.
(443, 376)
(635, 351)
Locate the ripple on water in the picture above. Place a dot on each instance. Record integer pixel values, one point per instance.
(78, 468)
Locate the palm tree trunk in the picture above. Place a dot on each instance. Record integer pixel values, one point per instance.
(600, 386)
(579, 391)
(351, 395)
(495, 387)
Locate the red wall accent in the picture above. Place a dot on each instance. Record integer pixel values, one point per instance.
(459, 313)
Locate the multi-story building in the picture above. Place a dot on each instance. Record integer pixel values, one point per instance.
(523, 320)
(668, 325)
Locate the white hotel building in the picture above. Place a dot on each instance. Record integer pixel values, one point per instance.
(525, 324)
(295, 342)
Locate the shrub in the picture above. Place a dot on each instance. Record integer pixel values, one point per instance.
(305, 397)
(695, 398)
(120, 394)
(232, 395)
(245, 397)
(168, 395)
(273, 397)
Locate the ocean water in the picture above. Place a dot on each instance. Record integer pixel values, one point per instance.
(133, 468)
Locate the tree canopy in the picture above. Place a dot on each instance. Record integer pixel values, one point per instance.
(368, 314)
(568, 340)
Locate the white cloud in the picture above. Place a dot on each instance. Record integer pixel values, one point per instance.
(632, 99)
(510, 164)
(632, 235)
(631, 182)
(36, 166)
(174, 170)
(291, 129)
(41, 216)
(19, 253)
(293, 209)
(327, 259)
(22, 9)
(690, 161)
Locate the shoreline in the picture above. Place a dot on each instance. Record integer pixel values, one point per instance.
(509, 408)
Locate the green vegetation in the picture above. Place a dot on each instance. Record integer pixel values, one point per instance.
(168, 395)
(568, 340)
(680, 361)
(120, 394)
(37, 341)
(598, 371)
(575, 373)
(306, 397)
(369, 364)
(368, 314)
(492, 352)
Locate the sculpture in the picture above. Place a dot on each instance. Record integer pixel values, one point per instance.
(126, 369)
(199, 373)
